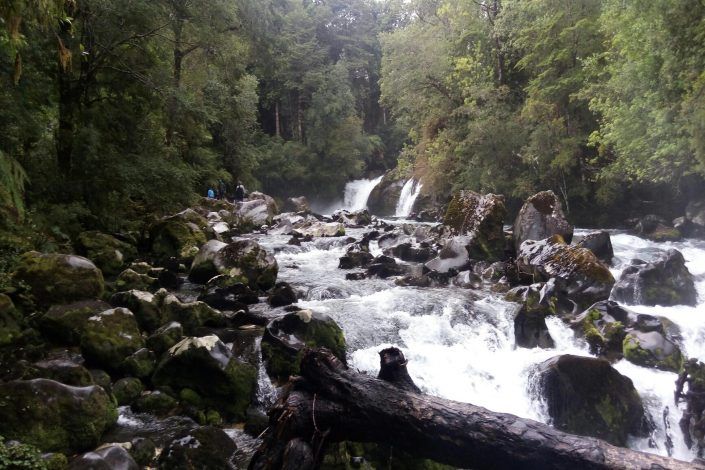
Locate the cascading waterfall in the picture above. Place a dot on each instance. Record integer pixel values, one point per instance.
(358, 192)
(407, 198)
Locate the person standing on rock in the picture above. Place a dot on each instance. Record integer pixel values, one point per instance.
(239, 192)
(222, 190)
(692, 423)
(211, 193)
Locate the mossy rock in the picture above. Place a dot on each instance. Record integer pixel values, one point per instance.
(179, 236)
(127, 390)
(652, 349)
(481, 217)
(157, 403)
(165, 337)
(208, 367)
(106, 457)
(61, 370)
(11, 321)
(541, 217)
(202, 448)
(109, 337)
(141, 364)
(603, 326)
(64, 324)
(18, 456)
(143, 305)
(54, 416)
(59, 279)
(190, 315)
(106, 251)
(285, 338)
(132, 280)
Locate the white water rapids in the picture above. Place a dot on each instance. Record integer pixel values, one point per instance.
(407, 198)
(358, 192)
(460, 343)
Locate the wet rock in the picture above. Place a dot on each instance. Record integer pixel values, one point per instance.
(355, 259)
(657, 229)
(603, 326)
(652, 349)
(353, 219)
(10, 321)
(190, 315)
(58, 279)
(285, 337)
(131, 280)
(320, 229)
(244, 260)
(106, 251)
(391, 239)
(141, 267)
(282, 295)
(408, 252)
(61, 370)
(384, 267)
(385, 196)
(143, 451)
(587, 396)
(202, 448)
(165, 337)
(355, 276)
(600, 244)
(112, 457)
(64, 324)
(541, 217)
(127, 390)
(481, 218)
(179, 236)
(157, 403)
(584, 278)
(109, 337)
(53, 416)
(140, 364)
(695, 212)
(225, 293)
(665, 281)
(297, 204)
(256, 212)
(530, 329)
(208, 367)
(467, 280)
(142, 304)
(452, 257)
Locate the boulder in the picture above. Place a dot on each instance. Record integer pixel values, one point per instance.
(156, 402)
(384, 267)
(140, 364)
(202, 448)
(109, 337)
(584, 278)
(320, 229)
(165, 337)
(61, 370)
(408, 252)
(207, 366)
(652, 349)
(664, 281)
(600, 244)
(190, 315)
(111, 457)
(353, 219)
(541, 217)
(481, 217)
(384, 197)
(225, 293)
(106, 251)
(143, 451)
(64, 324)
(56, 278)
(297, 204)
(179, 236)
(657, 229)
(452, 257)
(695, 212)
(355, 259)
(10, 321)
(282, 295)
(132, 280)
(53, 416)
(530, 330)
(142, 304)
(256, 212)
(127, 390)
(586, 396)
(603, 326)
(244, 260)
(285, 338)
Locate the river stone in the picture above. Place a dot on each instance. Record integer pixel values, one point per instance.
(355, 258)
(244, 260)
(131, 280)
(584, 278)
(206, 447)
(109, 337)
(190, 315)
(282, 295)
(253, 214)
(165, 337)
(665, 281)
(64, 324)
(61, 370)
(111, 457)
(530, 329)
(208, 367)
(541, 217)
(157, 403)
(586, 396)
(481, 217)
(600, 244)
(297, 204)
(408, 252)
(652, 349)
(140, 364)
(225, 293)
(53, 416)
(384, 197)
(106, 251)
(179, 236)
(657, 229)
(320, 229)
(353, 218)
(453, 256)
(603, 326)
(57, 279)
(286, 336)
(142, 304)
(10, 321)
(127, 390)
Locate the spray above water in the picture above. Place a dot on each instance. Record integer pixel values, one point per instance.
(407, 198)
(358, 192)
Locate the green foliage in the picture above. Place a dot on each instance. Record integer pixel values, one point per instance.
(21, 457)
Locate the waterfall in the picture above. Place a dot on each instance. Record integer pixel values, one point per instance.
(407, 198)
(358, 192)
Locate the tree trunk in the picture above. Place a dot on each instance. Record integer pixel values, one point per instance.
(330, 403)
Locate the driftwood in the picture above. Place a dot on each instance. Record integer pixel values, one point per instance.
(330, 403)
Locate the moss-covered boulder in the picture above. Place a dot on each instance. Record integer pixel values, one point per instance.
(190, 315)
(140, 364)
(652, 349)
(64, 324)
(11, 321)
(657, 229)
(53, 416)
(60, 370)
(165, 337)
(541, 217)
(58, 279)
(603, 325)
(586, 396)
(109, 337)
(530, 329)
(664, 281)
(132, 280)
(156, 403)
(482, 218)
(583, 277)
(127, 390)
(206, 447)
(143, 305)
(106, 251)
(286, 336)
(282, 295)
(600, 244)
(226, 293)
(244, 260)
(207, 366)
(110, 457)
(179, 236)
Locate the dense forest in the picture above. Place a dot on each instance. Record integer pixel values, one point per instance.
(116, 111)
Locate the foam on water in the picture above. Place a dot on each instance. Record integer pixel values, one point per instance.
(358, 192)
(407, 198)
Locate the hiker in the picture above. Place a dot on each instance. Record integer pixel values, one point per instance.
(239, 192)
(222, 189)
(211, 193)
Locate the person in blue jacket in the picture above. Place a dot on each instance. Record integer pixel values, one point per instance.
(211, 193)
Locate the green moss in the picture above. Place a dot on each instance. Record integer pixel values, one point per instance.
(191, 397)
(127, 390)
(22, 457)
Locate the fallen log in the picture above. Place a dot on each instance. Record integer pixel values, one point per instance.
(331, 403)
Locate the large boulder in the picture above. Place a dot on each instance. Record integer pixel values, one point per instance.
(353, 218)
(530, 329)
(585, 278)
(409, 252)
(64, 324)
(179, 236)
(481, 217)
(541, 217)
(190, 315)
(657, 229)
(285, 338)
(297, 204)
(256, 212)
(62, 370)
(109, 337)
(142, 304)
(207, 366)
(243, 259)
(603, 326)
(106, 251)
(664, 281)
(225, 293)
(384, 197)
(202, 448)
(453, 256)
(320, 229)
(586, 396)
(56, 278)
(53, 416)
(112, 457)
(652, 349)
(600, 244)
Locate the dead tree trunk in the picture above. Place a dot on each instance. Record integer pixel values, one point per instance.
(330, 403)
